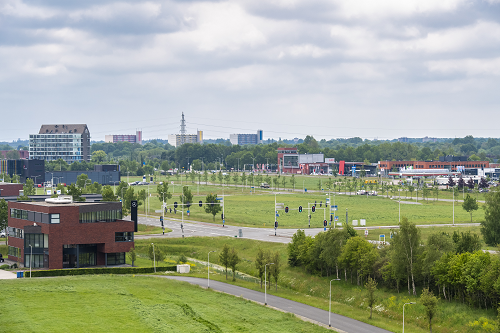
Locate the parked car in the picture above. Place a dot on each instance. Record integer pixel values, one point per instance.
(264, 185)
(2, 234)
(361, 192)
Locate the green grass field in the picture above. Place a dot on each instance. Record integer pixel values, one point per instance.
(300, 286)
(133, 304)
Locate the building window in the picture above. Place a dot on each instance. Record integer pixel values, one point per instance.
(16, 232)
(38, 241)
(124, 236)
(101, 216)
(36, 261)
(14, 251)
(54, 218)
(116, 258)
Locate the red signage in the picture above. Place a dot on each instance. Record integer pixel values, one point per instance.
(341, 167)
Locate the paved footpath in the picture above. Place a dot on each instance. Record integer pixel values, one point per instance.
(339, 323)
(4, 275)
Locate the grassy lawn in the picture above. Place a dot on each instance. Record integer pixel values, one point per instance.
(300, 286)
(133, 304)
(144, 229)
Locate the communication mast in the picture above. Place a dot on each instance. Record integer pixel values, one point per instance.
(183, 130)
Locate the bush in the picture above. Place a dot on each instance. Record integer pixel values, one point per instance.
(87, 271)
(5, 266)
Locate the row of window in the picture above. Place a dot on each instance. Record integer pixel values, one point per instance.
(36, 260)
(124, 236)
(116, 258)
(34, 216)
(43, 136)
(14, 251)
(36, 240)
(16, 232)
(101, 216)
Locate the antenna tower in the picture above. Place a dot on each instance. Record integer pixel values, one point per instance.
(183, 130)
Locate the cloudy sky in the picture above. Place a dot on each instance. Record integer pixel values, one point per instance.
(328, 68)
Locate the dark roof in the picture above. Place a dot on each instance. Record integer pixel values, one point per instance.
(63, 129)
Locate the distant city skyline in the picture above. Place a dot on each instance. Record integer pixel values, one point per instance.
(331, 69)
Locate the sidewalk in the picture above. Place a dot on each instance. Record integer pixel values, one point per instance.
(4, 275)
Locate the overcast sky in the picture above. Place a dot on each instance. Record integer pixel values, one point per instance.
(327, 68)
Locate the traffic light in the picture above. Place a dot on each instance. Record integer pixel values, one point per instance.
(300, 209)
(325, 223)
(313, 209)
(320, 203)
(331, 218)
(222, 216)
(175, 204)
(200, 203)
(161, 218)
(275, 224)
(188, 204)
(286, 209)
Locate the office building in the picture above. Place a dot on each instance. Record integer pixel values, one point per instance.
(137, 138)
(68, 142)
(34, 169)
(246, 139)
(68, 235)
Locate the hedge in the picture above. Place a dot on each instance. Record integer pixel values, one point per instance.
(105, 270)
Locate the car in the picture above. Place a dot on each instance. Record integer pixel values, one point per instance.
(264, 185)
(361, 192)
(2, 234)
(133, 183)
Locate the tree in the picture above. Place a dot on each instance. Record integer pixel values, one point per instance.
(128, 196)
(461, 183)
(470, 205)
(108, 194)
(220, 177)
(283, 182)
(429, 301)
(98, 156)
(75, 192)
(163, 193)
(224, 257)
(29, 187)
(236, 178)
(371, 287)
(122, 186)
(260, 261)
(276, 269)
(483, 183)
(186, 196)
(205, 177)
(451, 182)
(293, 248)
(132, 256)
(233, 261)
(490, 227)
(213, 178)
(82, 180)
(470, 184)
(4, 216)
(211, 205)
(142, 197)
(293, 181)
(406, 244)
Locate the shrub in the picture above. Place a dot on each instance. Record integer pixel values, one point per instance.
(104, 270)
(5, 266)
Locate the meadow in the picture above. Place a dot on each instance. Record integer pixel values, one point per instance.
(115, 303)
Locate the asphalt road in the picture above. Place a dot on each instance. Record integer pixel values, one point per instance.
(200, 229)
(338, 322)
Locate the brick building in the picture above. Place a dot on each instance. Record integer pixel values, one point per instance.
(68, 235)
(10, 189)
(450, 165)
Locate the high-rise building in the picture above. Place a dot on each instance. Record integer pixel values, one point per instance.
(246, 139)
(177, 140)
(68, 142)
(114, 138)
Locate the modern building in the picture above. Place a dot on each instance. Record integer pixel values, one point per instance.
(453, 163)
(10, 189)
(34, 169)
(177, 140)
(16, 154)
(104, 174)
(246, 139)
(68, 142)
(68, 235)
(137, 138)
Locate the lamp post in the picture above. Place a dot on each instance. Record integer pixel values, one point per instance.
(31, 258)
(330, 304)
(154, 257)
(208, 269)
(404, 315)
(453, 205)
(265, 282)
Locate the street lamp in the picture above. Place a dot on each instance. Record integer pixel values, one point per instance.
(154, 257)
(208, 269)
(31, 258)
(404, 315)
(265, 282)
(330, 304)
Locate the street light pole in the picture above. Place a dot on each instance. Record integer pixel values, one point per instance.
(404, 315)
(330, 305)
(154, 257)
(265, 282)
(208, 269)
(31, 258)
(453, 205)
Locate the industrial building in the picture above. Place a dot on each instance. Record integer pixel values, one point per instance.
(33, 169)
(246, 139)
(68, 234)
(104, 174)
(137, 138)
(452, 163)
(68, 142)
